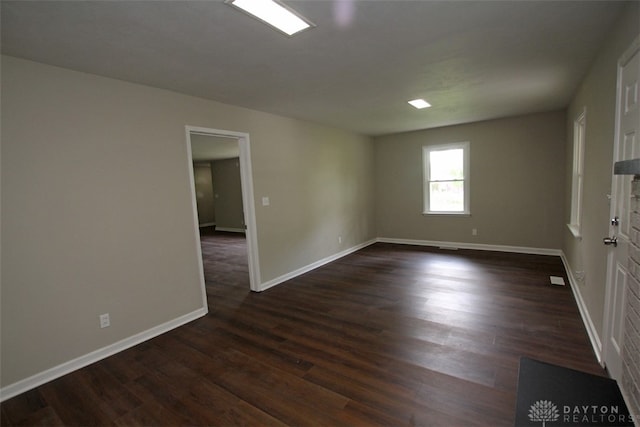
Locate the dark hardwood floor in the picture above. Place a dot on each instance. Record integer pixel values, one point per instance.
(388, 336)
(224, 256)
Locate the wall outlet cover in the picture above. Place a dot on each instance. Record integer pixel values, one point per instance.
(105, 321)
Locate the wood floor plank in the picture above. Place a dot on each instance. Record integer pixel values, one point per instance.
(73, 402)
(389, 335)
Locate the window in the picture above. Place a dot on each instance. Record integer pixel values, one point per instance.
(579, 127)
(446, 178)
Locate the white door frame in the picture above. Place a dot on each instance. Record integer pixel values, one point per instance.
(611, 317)
(246, 180)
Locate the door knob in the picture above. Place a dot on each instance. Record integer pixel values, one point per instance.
(615, 221)
(610, 241)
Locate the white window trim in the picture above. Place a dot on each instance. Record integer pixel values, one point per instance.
(426, 149)
(577, 177)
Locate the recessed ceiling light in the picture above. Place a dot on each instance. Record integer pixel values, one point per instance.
(419, 103)
(274, 14)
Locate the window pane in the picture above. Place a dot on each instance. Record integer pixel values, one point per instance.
(446, 164)
(447, 196)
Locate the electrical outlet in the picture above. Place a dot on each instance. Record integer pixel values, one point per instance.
(339, 239)
(474, 231)
(105, 321)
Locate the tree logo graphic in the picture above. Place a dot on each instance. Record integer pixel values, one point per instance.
(543, 410)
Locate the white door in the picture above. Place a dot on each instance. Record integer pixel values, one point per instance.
(626, 147)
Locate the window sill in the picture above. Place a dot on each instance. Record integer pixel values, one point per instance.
(575, 230)
(446, 213)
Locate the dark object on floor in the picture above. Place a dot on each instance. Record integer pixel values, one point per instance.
(551, 395)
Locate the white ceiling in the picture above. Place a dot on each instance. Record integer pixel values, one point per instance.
(472, 60)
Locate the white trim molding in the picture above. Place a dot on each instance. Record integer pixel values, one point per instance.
(427, 150)
(246, 181)
(80, 362)
(230, 229)
(476, 246)
(592, 332)
(307, 268)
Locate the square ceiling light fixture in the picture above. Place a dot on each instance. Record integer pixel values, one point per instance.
(419, 103)
(273, 13)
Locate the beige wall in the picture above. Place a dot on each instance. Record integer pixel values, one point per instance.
(91, 225)
(228, 194)
(597, 93)
(516, 167)
(326, 190)
(204, 193)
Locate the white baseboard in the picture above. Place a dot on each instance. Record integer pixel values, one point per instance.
(206, 224)
(592, 332)
(231, 230)
(82, 361)
(476, 246)
(288, 276)
(498, 248)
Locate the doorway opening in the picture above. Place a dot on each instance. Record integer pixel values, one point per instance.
(214, 151)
